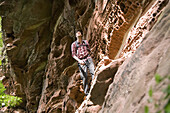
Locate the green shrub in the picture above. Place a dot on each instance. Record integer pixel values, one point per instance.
(8, 100)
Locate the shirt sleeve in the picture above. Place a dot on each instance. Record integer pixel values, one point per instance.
(73, 49)
(88, 45)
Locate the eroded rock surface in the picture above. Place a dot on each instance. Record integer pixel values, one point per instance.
(105, 77)
(38, 35)
(26, 27)
(129, 91)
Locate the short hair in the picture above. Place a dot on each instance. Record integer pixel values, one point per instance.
(79, 31)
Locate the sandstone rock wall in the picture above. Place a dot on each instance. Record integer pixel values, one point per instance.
(129, 91)
(26, 27)
(38, 35)
(27, 36)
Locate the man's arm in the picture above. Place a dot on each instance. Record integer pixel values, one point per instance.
(80, 61)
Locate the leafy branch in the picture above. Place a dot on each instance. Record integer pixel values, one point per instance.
(8, 100)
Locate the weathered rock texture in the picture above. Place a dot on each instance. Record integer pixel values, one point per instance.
(38, 35)
(105, 77)
(26, 27)
(111, 22)
(129, 91)
(141, 28)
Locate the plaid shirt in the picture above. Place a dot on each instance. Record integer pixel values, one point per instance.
(82, 51)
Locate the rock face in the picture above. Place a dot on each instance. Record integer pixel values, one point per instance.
(105, 77)
(28, 36)
(129, 91)
(38, 35)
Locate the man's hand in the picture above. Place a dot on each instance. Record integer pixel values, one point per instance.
(81, 62)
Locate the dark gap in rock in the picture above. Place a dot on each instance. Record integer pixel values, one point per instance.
(134, 6)
(33, 103)
(129, 2)
(119, 12)
(108, 37)
(137, 4)
(120, 21)
(111, 14)
(126, 10)
(10, 35)
(56, 53)
(72, 2)
(122, 7)
(153, 19)
(59, 110)
(48, 110)
(144, 27)
(129, 40)
(150, 23)
(57, 42)
(110, 29)
(163, 4)
(103, 52)
(104, 41)
(82, 10)
(154, 14)
(115, 21)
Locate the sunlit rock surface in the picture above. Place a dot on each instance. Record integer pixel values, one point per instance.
(38, 35)
(130, 90)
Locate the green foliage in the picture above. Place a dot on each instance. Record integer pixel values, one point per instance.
(167, 91)
(167, 107)
(1, 41)
(150, 92)
(158, 112)
(146, 109)
(158, 78)
(2, 88)
(8, 100)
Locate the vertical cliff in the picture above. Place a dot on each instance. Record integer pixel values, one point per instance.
(135, 79)
(38, 35)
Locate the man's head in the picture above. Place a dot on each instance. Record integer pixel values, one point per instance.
(78, 34)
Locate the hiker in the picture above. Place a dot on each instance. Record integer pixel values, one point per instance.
(80, 52)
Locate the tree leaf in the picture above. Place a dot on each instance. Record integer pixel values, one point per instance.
(158, 78)
(146, 109)
(150, 92)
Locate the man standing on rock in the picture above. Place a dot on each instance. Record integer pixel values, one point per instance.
(80, 52)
